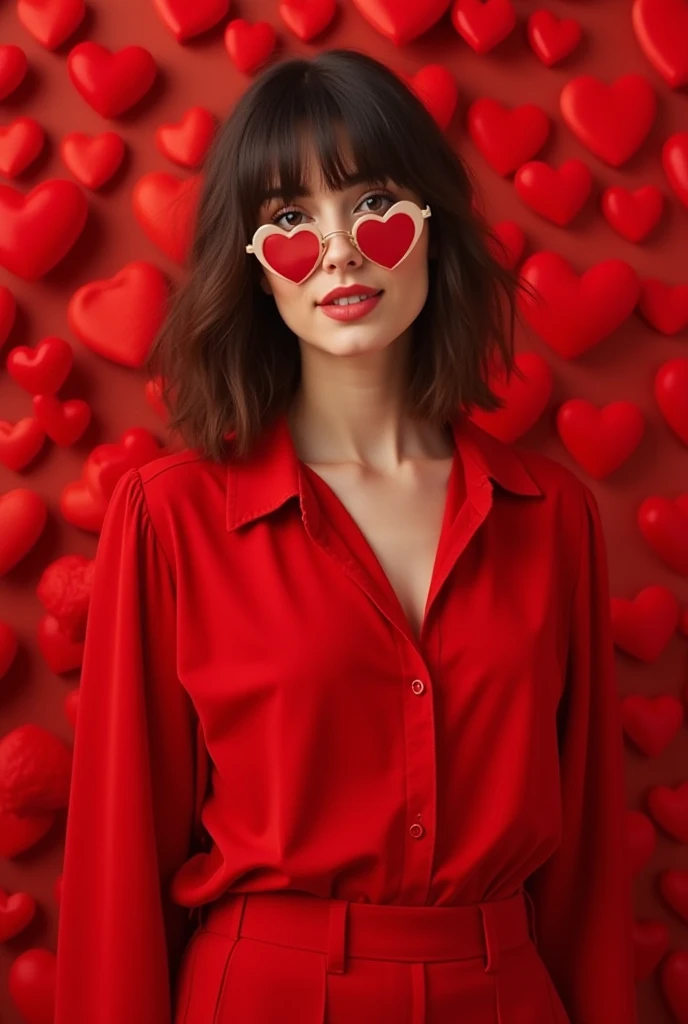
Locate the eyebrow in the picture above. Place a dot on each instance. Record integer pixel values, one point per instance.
(350, 179)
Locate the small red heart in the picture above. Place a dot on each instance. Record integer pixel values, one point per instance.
(651, 722)
(512, 236)
(92, 159)
(63, 422)
(165, 206)
(38, 229)
(59, 652)
(13, 68)
(307, 18)
(644, 626)
(23, 515)
(16, 912)
(9, 645)
(51, 21)
(612, 121)
(633, 213)
(8, 311)
(249, 46)
(107, 462)
(31, 984)
(81, 507)
(669, 807)
(188, 18)
(35, 770)
(20, 143)
(641, 837)
(674, 979)
(525, 399)
(551, 38)
(673, 885)
(436, 88)
(555, 194)
(663, 523)
(483, 25)
(661, 28)
(17, 835)
(675, 164)
(20, 442)
(507, 138)
(664, 306)
(402, 20)
(650, 942)
(111, 82)
(186, 142)
(41, 370)
(64, 590)
(671, 395)
(600, 440)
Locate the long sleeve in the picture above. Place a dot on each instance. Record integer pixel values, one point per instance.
(130, 821)
(582, 893)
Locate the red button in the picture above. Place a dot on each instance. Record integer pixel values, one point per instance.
(417, 685)
(416, 831)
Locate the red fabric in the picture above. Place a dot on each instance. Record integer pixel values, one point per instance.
(249, 720)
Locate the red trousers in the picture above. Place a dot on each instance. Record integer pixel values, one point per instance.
(292, 958)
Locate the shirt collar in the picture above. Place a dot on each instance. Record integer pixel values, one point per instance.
(271, 475)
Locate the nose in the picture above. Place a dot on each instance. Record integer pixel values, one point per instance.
(340, 251)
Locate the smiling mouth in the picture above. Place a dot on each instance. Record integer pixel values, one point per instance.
(351, 301)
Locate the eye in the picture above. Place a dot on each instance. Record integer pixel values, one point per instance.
(278, 218)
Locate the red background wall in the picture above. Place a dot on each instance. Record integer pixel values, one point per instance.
(621, 366)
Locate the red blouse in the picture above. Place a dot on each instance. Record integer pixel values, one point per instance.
(256, 714)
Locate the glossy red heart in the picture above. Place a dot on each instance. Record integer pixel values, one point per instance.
(21, 141)
(81, 507)
(16, 912)
(9, 645)
(92, 159)
(436, 88)
(661, 28)
(63, 422)
(307, 18)
(513, 238)
(632, 212)
(483, 25)
(673, 885)
(37, 230)
(651, 722)
(186, 142)
(644, 626)
(20, 442)
(249, 46)
(641, 836)
(525, 399)
(31, 984)
(664, 306)
(650, 943)
(675, 164)
(671, 395)
(13, 67)
(20, 834)
(663, 523)
(188, 18)
(59, 652)
(35, 770)
(668, 805)
(557, 194)
(8, 311)
(507, 138)
(118, 317)
(23, 515)
(51, 21)
(402, 20)
(612, 121)
(107, 462)
(574, 312)
(551, 38)
(600, 440)
(41, 370)
(111, 82)
(165, 206)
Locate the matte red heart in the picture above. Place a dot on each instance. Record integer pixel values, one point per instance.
(483, 25)
(249, 46)
(31, 984)
(512, 237)
(307, 18)
(651, 722)
(507, 138)
(23, 515)
(600, 440)
(675, 164)
(674, 982)
(188, 18)
(525, 399)
(64, 590)
(35, 770)
(436, 88)
(21, 141)
(663, 523)
(118, 317)
(9, 645)
(59, 652)
(20, 442)
(557, 194)
(650, 943)
(575, 312)
(13, 67)
(63, 422)
(111, 82)
(165, 206)
(671, 395)
(8, 311)
(17, 835)
(16, 912)
(80, 507)
(41, 370)
(673, 885)
(92, 159)
(612, 121)
(402, 20)
(37, 230)
(642, 840)
(107, 462)
(661, 28)
(632, 212)
(551, 38)
(664, 306)
(186, 142)
(51, 21)
(644, 626)
(669, 807)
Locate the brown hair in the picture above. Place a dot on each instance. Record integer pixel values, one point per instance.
(226, 359)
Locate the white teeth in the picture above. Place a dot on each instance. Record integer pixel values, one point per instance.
(348, 299)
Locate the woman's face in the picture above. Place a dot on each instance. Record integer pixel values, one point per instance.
(404, 289)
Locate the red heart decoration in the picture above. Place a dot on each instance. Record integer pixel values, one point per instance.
(92, 159)
(51, 21)
(59, 652)
(402, 20)
(107, 462)
(17, 835)
(41, 370)
(307, 18)
(664, 525)
(483, 25)
(295, 254)
(64, 590)
(38, 230)
(386, 241)
(111, 82)
(249, 46)
(63, 422)
(557, 195)
(600, 440)
(669, 807)
(165, 207)
(674, 976)
(673, 885)
(675, 164)
(9, 645)
(642, 840)
(35, 770)
(650, 942)
(31, 984)
(651, 722)
(551, 38)
(574, 313)
(644, 626)
(23, 515)
(671, 395)
(13, 67)
(16, 912)
(188, 18)
(81, 507)
(8, 310)
(512, 236)
(664, 306)
(187, 141)
(661, 28)
(118, 317)
(525, 399)
(633, 213)
(436, 88)
(612, 121)
(507, 138)
(20, 143)
(20, 442)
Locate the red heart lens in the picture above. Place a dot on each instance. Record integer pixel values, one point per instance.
(386, 242)
(293, 256)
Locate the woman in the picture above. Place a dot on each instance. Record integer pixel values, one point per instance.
(348, 745)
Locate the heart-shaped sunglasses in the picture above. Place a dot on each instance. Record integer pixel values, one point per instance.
(294, 255)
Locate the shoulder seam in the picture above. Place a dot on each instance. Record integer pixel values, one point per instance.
(146, 506)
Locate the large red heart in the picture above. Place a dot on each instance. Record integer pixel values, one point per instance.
(557, 194)
(20, 442)
(248, 45)
(641, 836)
(111, 82)
(663, 523)
(612, 121)
(651, 722)
(165, 207)
(23, 515)
(402, 20)
(37, 230)
(51, 21)
(664, 306)
(92, 159)
(671, 394)
(644, 626)
(188, 18)
(436, 88)
(668, 805)
(675, 164)
(483, 25)
(574, 313)
(551, 39)
(20, 143)
(632, 212)
(13, 67)
(600, 440)
(118, 317)
(186, 141)
(673, 885)
(16, 912)
(525, 399)
(307, 18)
(661, 28)
(507, 138)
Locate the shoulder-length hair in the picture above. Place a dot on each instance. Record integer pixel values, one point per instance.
(226, 360)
